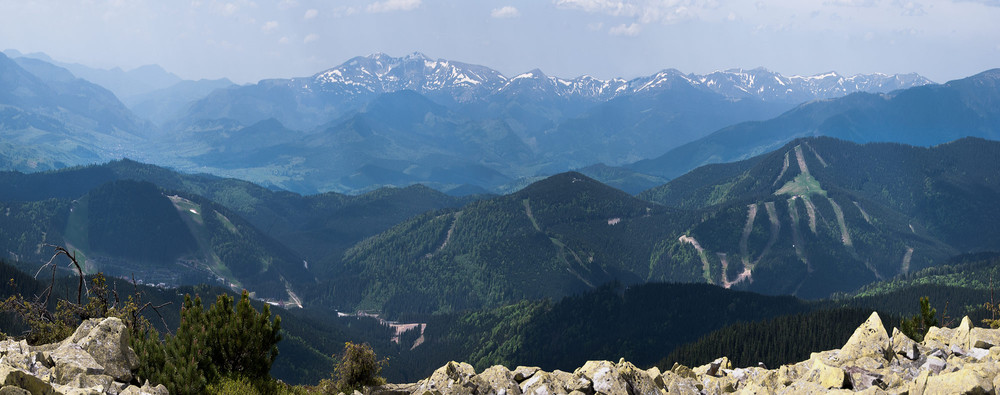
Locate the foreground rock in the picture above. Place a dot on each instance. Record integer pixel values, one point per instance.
(96, 359)
(962, 360)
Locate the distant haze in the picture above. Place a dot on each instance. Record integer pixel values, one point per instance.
(251, 40)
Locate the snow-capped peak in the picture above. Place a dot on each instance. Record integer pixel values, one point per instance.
(379, 73)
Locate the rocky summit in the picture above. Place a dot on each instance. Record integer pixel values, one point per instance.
(96, 359)
(961, 360)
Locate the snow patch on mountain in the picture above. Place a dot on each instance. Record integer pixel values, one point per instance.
(461, 82)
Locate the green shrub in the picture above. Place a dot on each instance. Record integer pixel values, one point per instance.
(358, 368)
(916, 327)
(212, 347)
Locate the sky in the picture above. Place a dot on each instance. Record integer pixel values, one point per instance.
(247, 41)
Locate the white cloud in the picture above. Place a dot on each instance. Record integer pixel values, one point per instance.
(310, 38)
(505, 12)
(393, 5)
(643, 11)
(229, 9)
(625, 30)
(851, 3)
(910, 8)
(269, 26)
(283, 40)
(311, 13)
(287, 4)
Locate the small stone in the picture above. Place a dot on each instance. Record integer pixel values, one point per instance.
(522, 373)
(956, 350)
(978, 353)
(12, 390)
(542, 383)
(934, 365)
(983, 344)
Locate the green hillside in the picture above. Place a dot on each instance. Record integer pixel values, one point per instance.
(562, 235)
(316, 227)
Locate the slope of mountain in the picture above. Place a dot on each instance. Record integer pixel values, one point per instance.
(647, 124)
(891, 208)
(923, 115)
(317, 228)
(124, 84)
(165, 104)
(51, 120)
(134, 229)
(565, 234)
(816, 217)
(621, 178)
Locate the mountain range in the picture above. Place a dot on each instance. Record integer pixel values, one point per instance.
(925, 115)
(387, 121)
(815, 217)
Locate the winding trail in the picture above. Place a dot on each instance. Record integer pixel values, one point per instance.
(820, 158)
(745, 275)
(527, 210)
(845, 237)
(863, 213)
(772, 215)
(706, 268)
(747, 228)
(447, 236)
(569, 265)
(793, 212)
(801, 160)
(905, 267)
(784, 168)
(811, 211)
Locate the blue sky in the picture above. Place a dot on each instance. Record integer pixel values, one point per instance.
(248, 40)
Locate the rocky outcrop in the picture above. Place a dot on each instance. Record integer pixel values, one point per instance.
(96, 359)
(963, 360)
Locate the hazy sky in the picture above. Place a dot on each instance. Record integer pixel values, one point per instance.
(250, 40)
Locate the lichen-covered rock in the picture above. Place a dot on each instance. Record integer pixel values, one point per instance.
(146, 389)
(573, 382)
(959, 360)
(869, 340)
(452, 378)
(903, 346)
(87, 362)
(108, 343)
(13, 377)
(522, 373)
(542, 383)
(826, 376)
(497, 380)
(960, 382)
(639, 381)
(937, 337)
(12, 390)
(71, 361)
(605, 377)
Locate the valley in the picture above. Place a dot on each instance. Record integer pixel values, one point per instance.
(439, 210)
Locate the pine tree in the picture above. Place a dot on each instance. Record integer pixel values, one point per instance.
(187, 365)
(242, 342)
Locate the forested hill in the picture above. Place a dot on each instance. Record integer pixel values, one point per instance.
(562, 235)
(317, 227)
(946, 191)
(815, 217)
(843, 214)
